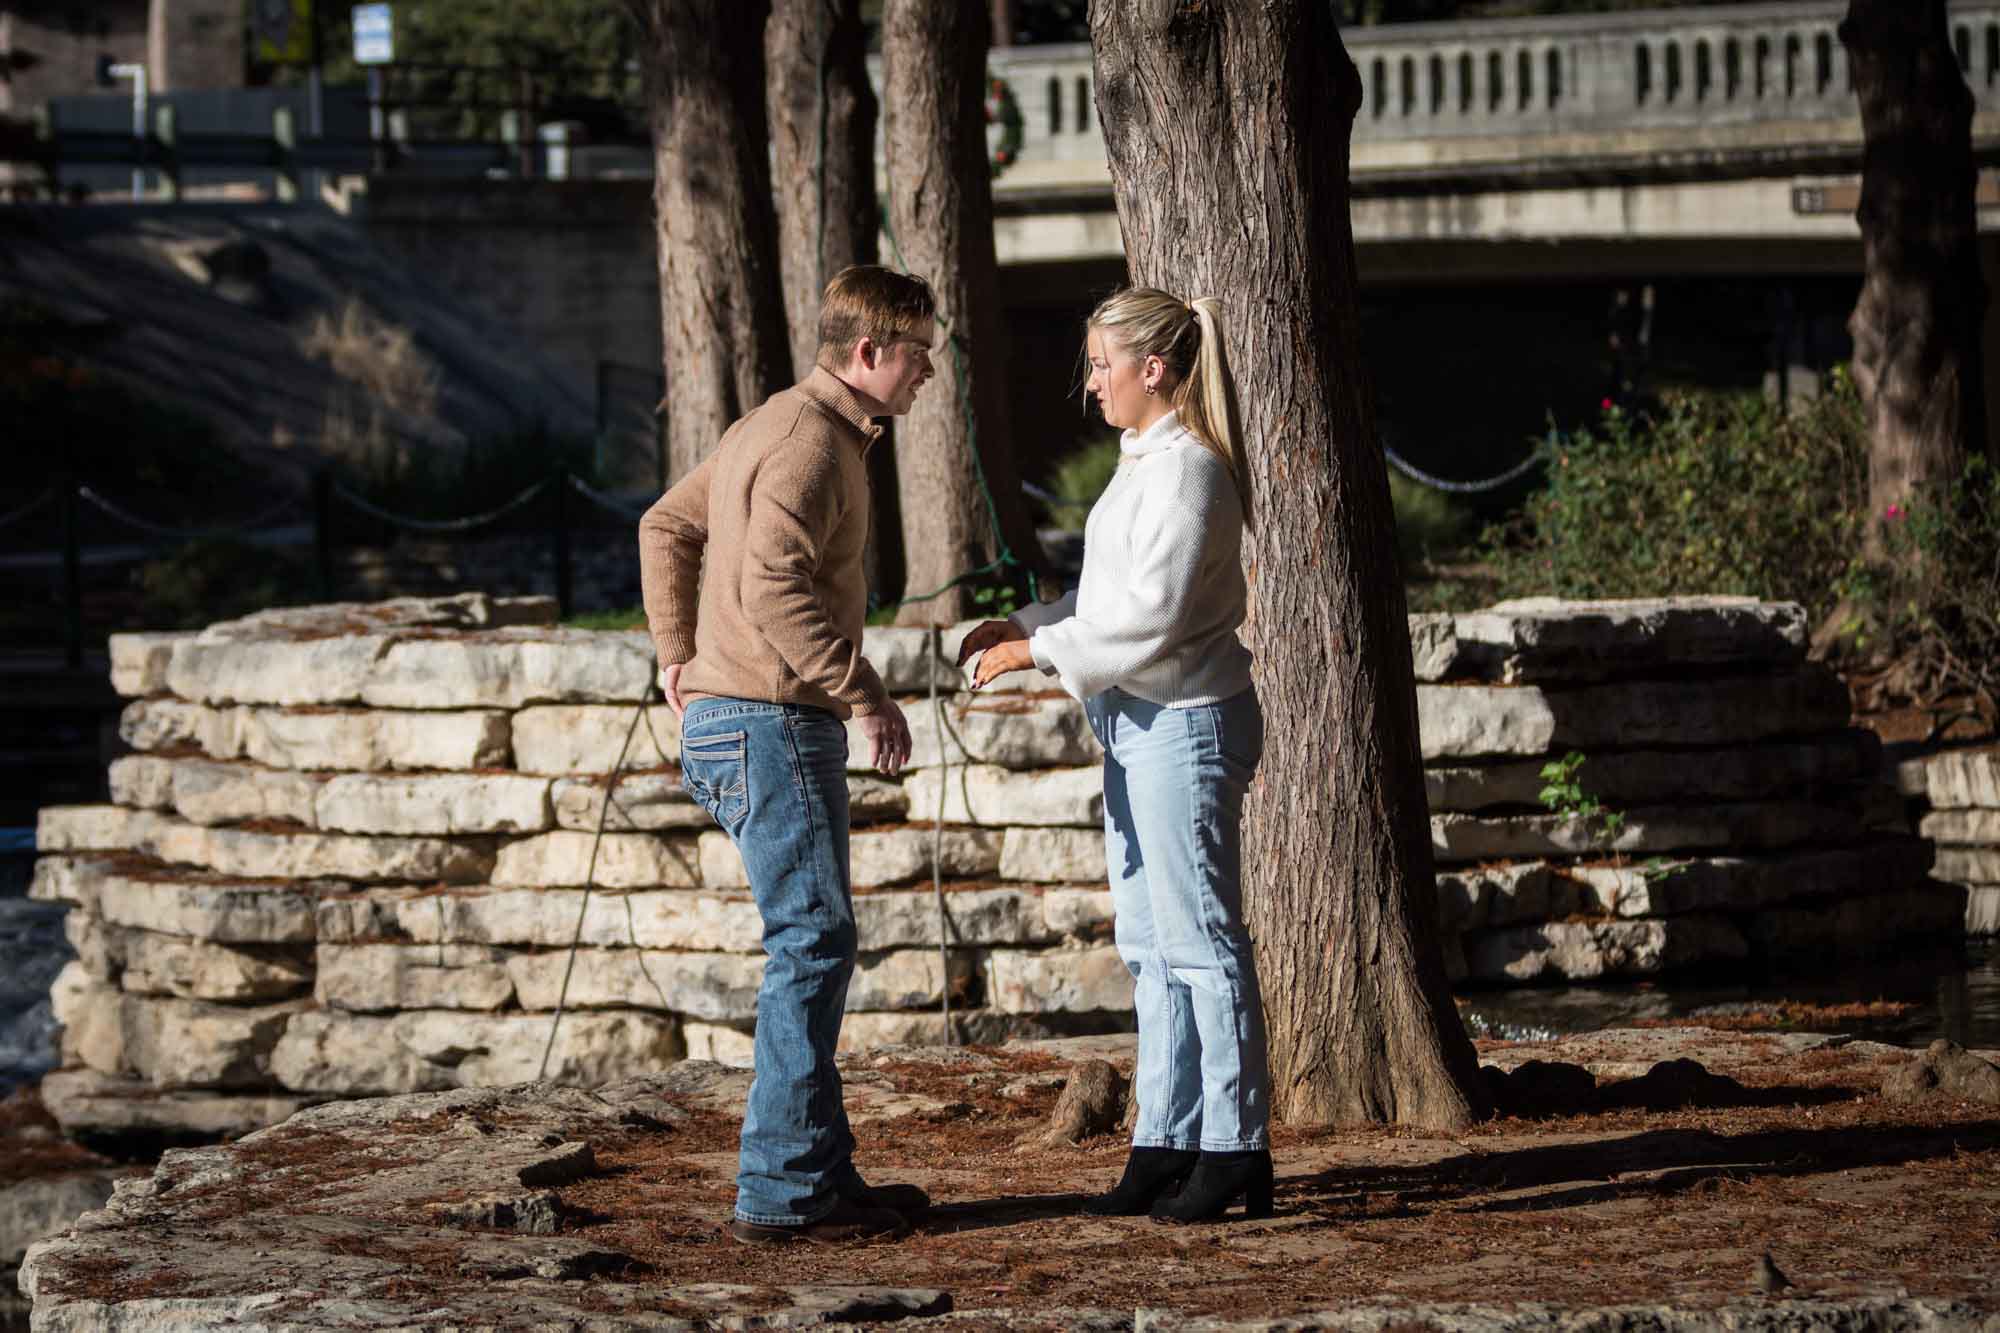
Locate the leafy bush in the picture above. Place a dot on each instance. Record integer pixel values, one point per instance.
(1430, 524)
(1710, 493)
(1080, 477)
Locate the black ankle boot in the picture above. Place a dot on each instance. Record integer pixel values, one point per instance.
(1149, 1173)
(1219, 1179)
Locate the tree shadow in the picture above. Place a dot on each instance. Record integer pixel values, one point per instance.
(1671, 1161)
(1003, 1211)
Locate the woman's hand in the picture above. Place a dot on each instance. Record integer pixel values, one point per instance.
(985, 635)
(1001, 658)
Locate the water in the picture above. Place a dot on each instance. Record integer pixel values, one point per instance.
(32, 951)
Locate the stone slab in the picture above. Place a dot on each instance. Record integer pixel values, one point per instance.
(1644, 777)
(1982, 910)
(324, 1050)
(206, 791)
(363, 978)
(167, 1041)
(141, 782)
(1546, 638)
(1672, 886)
(1480, 896)
(718, 987)
(1963, 779)
(94, 828)
(972, 916)
(196, 969)
(876, 857)
(45, 1205)
(1058, 981)
(1971, 827)
(1746, 825)
(139, 661)
(589, 738)
(464, 611)
(996, 797)
(260, 855)
(622, 861)
(1009, 731)
(331, 739)
(1859, 927)
(1969, 865)
(512, 669)
(640, 802)
(209, 908)
(1080, 914)
(1053, 856)
(1477, 721)
(543, 918)
(441, 804)
(1594, 950)
(84, 1101)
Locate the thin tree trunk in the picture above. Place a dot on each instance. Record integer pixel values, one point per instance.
(1227, 130)
(1917, 326)
(823, 154)
(721, 307)
(941, 216)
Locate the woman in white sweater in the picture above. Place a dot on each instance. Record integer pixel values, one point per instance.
(1148, 642)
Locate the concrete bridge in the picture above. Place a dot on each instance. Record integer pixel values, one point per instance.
(1714, 137)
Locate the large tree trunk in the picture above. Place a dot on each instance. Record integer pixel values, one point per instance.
(1917, 327)
(941, 217)
(722, 311)
(1227, 130)
(822, 154)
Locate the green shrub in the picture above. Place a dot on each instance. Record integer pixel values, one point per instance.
(211, 579)
(1710, 493)
(1080, 477)
(1430, 524)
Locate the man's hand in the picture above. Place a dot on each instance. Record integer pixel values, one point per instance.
(888, 738)
(1001, 658)
(986, 635)
(670, 685)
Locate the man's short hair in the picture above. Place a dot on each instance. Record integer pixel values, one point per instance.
(870, 301)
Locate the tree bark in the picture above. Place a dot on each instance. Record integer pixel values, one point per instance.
(1917, 326)
(722, 310)
(941, 217)
(822, 115)
(1227, 130)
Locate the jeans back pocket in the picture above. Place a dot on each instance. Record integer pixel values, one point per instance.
(714, 769)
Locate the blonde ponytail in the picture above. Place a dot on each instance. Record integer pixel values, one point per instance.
(1187, 337)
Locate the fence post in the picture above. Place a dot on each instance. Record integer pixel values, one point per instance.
(166, 136)
(285, 135)
(322, 501)
(563, 588)
(72, 577)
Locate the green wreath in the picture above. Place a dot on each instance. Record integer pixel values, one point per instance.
(1002, 108)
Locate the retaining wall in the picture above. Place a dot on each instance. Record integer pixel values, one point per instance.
(349, 853)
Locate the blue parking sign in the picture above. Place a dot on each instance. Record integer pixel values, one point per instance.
(374, 35)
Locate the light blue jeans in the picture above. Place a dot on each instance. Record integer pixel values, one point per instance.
(774, 776)
(1174, 780)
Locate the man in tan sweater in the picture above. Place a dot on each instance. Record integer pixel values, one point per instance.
(754, 592)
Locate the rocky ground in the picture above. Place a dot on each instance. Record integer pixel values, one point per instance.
(1657, 1199)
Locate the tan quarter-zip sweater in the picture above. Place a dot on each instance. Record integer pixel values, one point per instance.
(770, 530)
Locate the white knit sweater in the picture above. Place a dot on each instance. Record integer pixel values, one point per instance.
(1162, 591)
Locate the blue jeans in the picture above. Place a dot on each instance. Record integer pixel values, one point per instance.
(774, 776)
(1174, 780)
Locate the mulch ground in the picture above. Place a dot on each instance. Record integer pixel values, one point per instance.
(1850, 1194)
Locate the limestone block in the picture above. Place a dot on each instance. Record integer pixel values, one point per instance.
(909, 979)
(1471, 897)
(641, 801)
(209, 792)
(353, 740)
(167, 724)
(458, 611)
(1010, 731)
(1473, 721)
(192, 969)
(70, 879)
(1545, 638)
(587, 738)
(624, 861)
(543, 919)
(1966, 865)
(1053, 856)
(1057, 981)
(91, 1013)
(257, 855)
(94, 828)
(1962, 779)
(139, 661)
(209, 909)
(333, 670)
(1676, 885)
(1588, 950)
(1973, 827)
(1859, 926)
(1434, 647)
(875, 856)
(1982, 910)
(907, 662)
(716, 987)
(498, 1050)
(368, 977)
(511, 668)
(1083, 914)
(346, 1055)
(176, 1043)
(872, 799)
(99, 948)
(84, 1101)
(992, 796)
(141, 782)
(721, 1043)
(1645, 777)
(973, 916)
(1644, 831)
(434, 803)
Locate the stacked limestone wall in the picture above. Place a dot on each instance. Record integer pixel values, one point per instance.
(349, 852)
(1959, 793)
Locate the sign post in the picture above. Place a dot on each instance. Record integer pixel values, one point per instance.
(374, 47)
